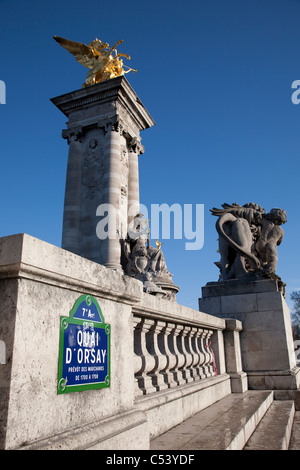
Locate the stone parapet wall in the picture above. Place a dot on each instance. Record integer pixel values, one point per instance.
(163, 355)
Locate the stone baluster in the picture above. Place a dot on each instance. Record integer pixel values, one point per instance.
(144, 362)
(201, 355)
(203, 349)
(207, 353)
(180, 359)
(195, 353)
(211, 367)
(138, 353)
(192, 353)
(160, 359)
(163, 341)
(188, 358)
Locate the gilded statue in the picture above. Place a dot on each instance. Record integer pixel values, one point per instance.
(103, 61)
(158, 243)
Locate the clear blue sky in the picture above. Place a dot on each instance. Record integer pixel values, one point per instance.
(215, 76)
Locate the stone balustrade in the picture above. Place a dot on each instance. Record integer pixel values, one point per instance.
(170, 354)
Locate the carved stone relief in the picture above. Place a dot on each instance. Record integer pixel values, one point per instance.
(93, 169)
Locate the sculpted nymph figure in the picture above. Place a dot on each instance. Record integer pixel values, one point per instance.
(271, 235)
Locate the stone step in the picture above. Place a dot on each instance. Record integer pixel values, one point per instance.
(295, 437)
(288, 395)
(274, 430)
(225, 425)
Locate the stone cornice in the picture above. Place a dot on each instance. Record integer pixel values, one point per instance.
(115, 90)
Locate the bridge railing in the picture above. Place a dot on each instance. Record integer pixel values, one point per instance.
(170, 351)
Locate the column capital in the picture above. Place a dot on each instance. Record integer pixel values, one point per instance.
(134, 145)
(74, 134)
(113, 123)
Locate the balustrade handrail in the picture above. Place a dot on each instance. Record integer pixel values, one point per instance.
(205, 320)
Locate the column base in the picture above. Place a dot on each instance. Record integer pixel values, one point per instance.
(115, 267)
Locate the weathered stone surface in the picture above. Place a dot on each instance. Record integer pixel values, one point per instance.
(226, 425)
(266, 339)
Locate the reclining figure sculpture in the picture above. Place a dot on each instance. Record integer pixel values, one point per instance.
(248, 240)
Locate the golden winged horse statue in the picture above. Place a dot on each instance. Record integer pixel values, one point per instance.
(103, 61)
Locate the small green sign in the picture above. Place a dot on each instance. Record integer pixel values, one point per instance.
(84, 351)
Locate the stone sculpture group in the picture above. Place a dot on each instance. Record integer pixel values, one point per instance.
(248, 240)
(147, 263)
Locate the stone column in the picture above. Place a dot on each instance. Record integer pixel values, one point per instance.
(112, 253)
(71, 220)
(135, 149)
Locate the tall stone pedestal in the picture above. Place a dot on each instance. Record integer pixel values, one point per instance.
(266, 338)
(103, 133)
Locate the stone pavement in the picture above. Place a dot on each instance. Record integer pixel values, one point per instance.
(249, 421)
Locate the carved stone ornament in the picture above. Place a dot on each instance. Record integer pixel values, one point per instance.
(124, 156)
(91, 187)
(94, 157)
